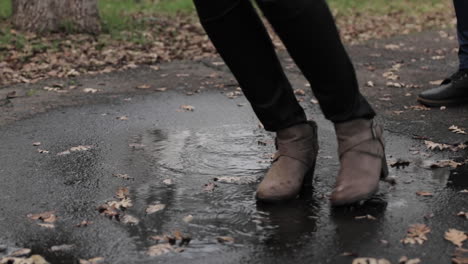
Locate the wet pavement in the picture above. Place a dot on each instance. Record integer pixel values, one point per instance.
(204, 165)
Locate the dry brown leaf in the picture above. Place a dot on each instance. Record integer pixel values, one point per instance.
(406, 260)
(143, 86)
(129, 220)
(121, 205)
(42, 151)
(370, 261)
(46, 217)
(160, 249)
(81, 148)
(300, 92)
(155, 208)
(187, 108)
(446, 163)
(36, 144)
(416, 234)
(122, 193)
(34, 259)
(23, 252)
(90, 90)
(84, 223)
(456, 237)
(419, 108)
(426, 194)
(457, 130)
(369, 217)
(209, 187)
(437, 82)
(225, 239)
(96, 260)
(122, 118)
(162, 89)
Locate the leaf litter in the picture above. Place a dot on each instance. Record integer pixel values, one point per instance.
(455, 236)
(416, 234)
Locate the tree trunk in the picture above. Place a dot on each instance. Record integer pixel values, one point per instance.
(56, 15)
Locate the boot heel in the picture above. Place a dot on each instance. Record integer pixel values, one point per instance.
(384, 170)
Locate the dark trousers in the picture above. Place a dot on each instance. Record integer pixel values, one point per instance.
(461, 9)
(308, 31)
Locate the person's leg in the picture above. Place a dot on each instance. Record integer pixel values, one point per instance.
(243, 42)
(461, 10)
(453, 90)
(308, 30)
(309, 33)
(240, 37)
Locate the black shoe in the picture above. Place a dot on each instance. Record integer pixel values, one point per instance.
(452, 91)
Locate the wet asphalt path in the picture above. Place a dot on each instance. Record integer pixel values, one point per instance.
(191, 149)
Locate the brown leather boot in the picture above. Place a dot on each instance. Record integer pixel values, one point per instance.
(293, 164)
(362, 156)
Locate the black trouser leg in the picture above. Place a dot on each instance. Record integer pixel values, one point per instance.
(308, 31)
(238, 34)
(461, 9)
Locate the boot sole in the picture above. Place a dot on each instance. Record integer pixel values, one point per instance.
(437, 103)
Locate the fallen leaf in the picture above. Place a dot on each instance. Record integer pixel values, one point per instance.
(314, 101)
(370, 261)
(416, 234)
(419, 108)
(23, 252)
(122, 118)
(90, 90)
(406, 260)
(225, 239)
(84, 223)
(121, 205)
(209, 187)
(81, 148)
(96, 260)
(122, 193)
(34, 259)
(457, 130)
(369, 217)
(300, 92)
(464, 191)
(446, 163)
(425, 194)
(162, 89)
(188, 218)
(456, 237)
(129, 220)
(187, 108)
(36, 144)
(155, 208)
(437, 82)
(42, 151)
(370, 84)
(62, 248)
(168, 182)
(160, 249)
(46, 217)
(392, 47)
(49, 226)
(143, 86)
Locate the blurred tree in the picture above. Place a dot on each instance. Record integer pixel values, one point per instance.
(57, 15)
